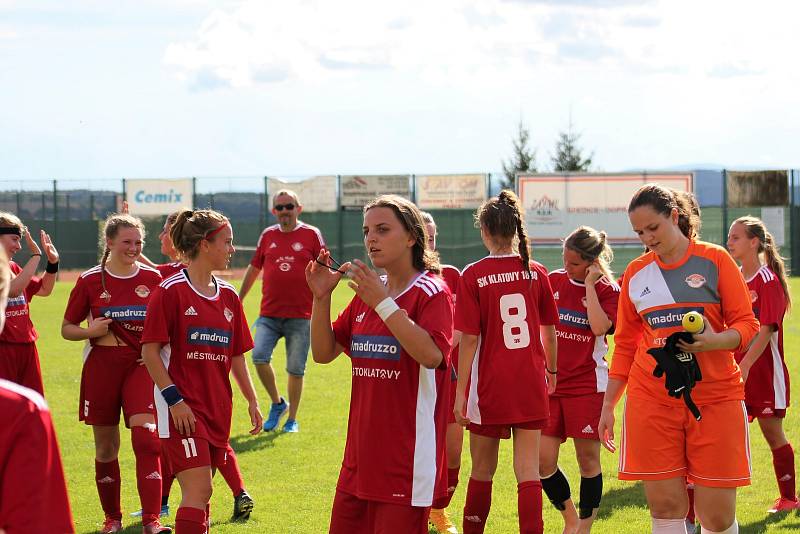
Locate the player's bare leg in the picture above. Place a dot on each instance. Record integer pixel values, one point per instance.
(587, 452)
(196, 489)
(295, 390)
(529, 487)
(715, 507)
(549, 447)
(668, 503)
(267, 376)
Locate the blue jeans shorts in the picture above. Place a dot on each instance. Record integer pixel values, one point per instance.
(298, 340)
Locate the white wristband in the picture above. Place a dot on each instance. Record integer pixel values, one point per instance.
(386, 307)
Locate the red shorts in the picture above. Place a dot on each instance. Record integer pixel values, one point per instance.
(351, 515)
(763, 412)
(574, 417)
(662, 441)
(19, 363)
(188, 452)
(504, 431)
(113, 379)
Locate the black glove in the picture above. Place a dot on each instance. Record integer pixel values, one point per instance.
(681, 368)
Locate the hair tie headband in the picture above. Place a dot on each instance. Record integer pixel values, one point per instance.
(11, 230)
(216, 230)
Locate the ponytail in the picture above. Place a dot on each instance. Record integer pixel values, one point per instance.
(755, 228)
(502, 218)
(592, 245)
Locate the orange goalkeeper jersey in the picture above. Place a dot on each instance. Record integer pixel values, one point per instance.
(654, 298)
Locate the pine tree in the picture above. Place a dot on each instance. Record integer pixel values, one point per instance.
(569, 156)
(523, 160)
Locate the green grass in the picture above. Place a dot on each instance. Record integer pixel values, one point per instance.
(292, 477)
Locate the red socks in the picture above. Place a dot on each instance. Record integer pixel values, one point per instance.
(476, 508)
(147, 449)
(529, 506)
(190, 521)
(783, 462)
(452, 483)
(230, 472)
(106, 475)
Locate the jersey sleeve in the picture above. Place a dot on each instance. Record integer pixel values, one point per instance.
(319, 242)
(737, 310)
(609, 301)
(343, 326)
(627, 336)
(548, 310)
(468, 307)
(436, 318)
(772, 303)
(78, 305)
(243, 340)
(257, 260)
(32, 288)
(159, 320)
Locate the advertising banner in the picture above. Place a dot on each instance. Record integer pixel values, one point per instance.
(451, 191)
(153, 197)
(748, 189)
(357, 191)
(316, 194)
(557, 204)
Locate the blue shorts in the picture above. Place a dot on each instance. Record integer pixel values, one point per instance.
(298, 340)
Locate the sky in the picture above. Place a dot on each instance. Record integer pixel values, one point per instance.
(97, 89)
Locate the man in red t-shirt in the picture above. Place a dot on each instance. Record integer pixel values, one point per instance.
(283, 251)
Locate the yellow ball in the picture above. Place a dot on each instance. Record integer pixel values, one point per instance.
(693, 322)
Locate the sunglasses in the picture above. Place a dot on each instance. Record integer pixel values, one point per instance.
(335, 267)
(281, 207)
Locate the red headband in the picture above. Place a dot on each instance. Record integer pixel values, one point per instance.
(215, 230)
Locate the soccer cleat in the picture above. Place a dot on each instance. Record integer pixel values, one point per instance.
(242, 506)
(291, 425)
(155, 528)
(275, 413)
(783, 504)
(111, 525)
(164, 512)
(440, 521)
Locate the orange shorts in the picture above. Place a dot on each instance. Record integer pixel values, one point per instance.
(662, 441)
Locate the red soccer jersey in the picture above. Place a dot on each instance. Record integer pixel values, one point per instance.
(582, 368)
(767, 385)
(124, 300)
(199, 335)
(33, 493)
(19, 328)
(283, 257)
(168, 269)
(451, 276)
(504, 305)
(398, 408)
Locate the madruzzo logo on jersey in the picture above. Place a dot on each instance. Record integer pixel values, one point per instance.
(16, 301)
(212, 337)
(573, 318)
(124, 313)
(669, 318)
(375, 347)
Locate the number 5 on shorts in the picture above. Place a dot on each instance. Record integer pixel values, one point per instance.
(189, 447)
(515, 330)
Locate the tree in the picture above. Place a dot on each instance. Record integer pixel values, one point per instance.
(569, 156)
(523, 160)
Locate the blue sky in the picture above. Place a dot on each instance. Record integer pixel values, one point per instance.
(104, 89)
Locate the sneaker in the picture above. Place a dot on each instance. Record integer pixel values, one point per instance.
(111, 525)
(163, 513)
(156, 528)
(440, 521)
(242, 506)
(783, 504)
(275, 413)
(291, 425)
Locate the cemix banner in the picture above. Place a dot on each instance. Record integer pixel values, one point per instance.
(557, 204)
(451, 191)
(158, 197)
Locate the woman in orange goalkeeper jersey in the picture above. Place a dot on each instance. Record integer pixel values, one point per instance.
(662, 442)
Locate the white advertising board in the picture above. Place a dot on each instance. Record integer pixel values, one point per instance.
(152, 197)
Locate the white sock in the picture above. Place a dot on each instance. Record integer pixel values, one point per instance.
(668, 526)
(733, 529)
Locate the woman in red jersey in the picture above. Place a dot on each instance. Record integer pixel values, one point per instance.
(704, 436)
(439, 518)
(397, 332)
(766, 379)
(195, 335)
(19, 362)
(506, 313)
(113, 298)
(587, 298)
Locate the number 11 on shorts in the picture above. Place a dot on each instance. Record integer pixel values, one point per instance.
(189, 447)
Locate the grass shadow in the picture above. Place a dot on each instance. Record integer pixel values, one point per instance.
(246, 443)
(631, 494)
(761, 526)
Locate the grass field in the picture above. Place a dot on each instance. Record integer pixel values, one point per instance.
(292, 476)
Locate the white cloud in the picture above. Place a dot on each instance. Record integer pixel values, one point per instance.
(8, 35)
